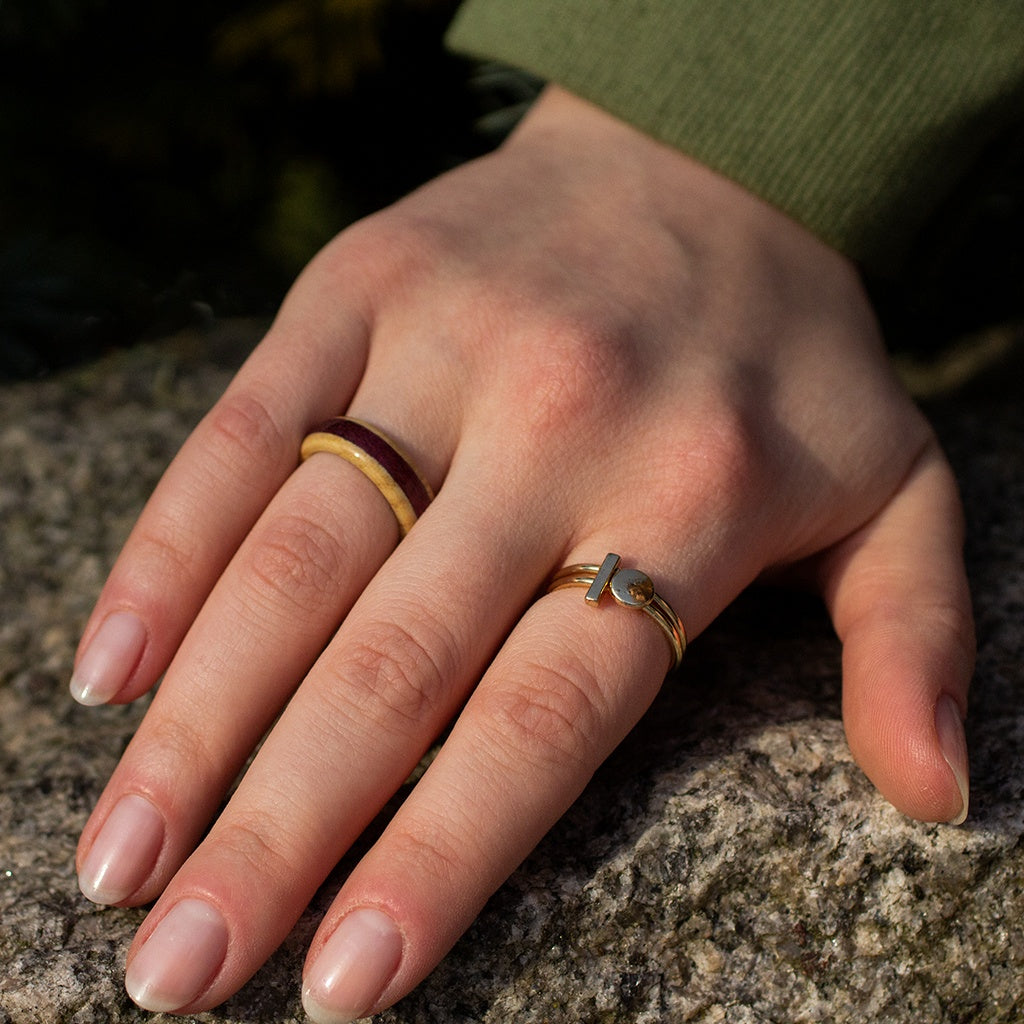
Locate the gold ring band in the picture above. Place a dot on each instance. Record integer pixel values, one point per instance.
(630, 588)
(379, 459)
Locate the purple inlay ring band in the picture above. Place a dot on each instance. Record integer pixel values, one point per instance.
(379, 459)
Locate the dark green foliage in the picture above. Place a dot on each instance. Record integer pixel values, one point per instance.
(163, 160)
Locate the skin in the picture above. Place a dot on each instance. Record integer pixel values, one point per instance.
(588, 343)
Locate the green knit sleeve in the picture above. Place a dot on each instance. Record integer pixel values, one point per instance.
(856, 117)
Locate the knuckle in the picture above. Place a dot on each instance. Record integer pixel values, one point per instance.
(429, 852)
(244, 434)
(176, 747)
(955, 621)
(720, 467)
(571, 371)
(399, 673)
(730, 453)
(554, 720)
(392, 248)
(260, 846)
(297, 559)
(164, 547)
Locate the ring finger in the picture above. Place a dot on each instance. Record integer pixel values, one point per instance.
(563, 692)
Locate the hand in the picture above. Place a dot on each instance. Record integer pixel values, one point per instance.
(588, 343)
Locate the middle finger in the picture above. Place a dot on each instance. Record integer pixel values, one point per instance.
(292, 581)
(401, 664)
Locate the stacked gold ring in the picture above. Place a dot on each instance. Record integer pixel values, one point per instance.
(630, 588)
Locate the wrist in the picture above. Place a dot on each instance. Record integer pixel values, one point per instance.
(735, 228)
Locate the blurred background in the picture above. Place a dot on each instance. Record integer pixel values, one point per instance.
(166, 164)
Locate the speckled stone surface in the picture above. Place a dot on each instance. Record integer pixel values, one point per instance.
(729, 863)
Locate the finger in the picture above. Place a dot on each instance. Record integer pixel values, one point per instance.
(219, 483)
(391, 679)
(563, 692)
(898, 595)
(325, 533)
(304, 564)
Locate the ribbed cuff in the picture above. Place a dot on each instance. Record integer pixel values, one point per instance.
(856, 118)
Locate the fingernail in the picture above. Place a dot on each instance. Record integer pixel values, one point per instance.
(123, 853)
(350, 973)
(953, 744)
(109, 660)
(178, 961)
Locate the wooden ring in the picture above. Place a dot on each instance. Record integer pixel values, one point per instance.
(379, 459)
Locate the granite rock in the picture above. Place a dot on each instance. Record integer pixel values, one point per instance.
(728, 863)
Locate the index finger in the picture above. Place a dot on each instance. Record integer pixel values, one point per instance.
(305, 370)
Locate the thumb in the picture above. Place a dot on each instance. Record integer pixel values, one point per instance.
(898, 595)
